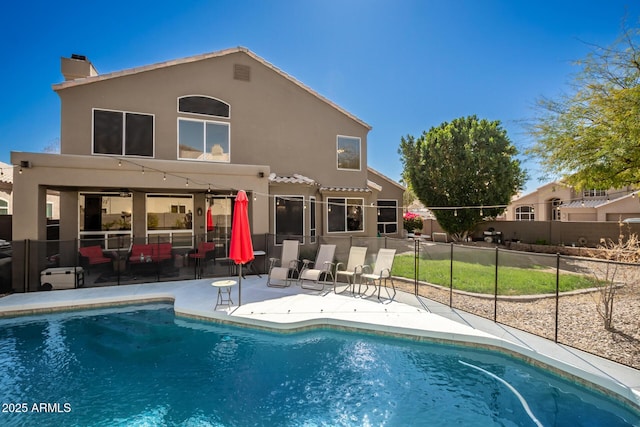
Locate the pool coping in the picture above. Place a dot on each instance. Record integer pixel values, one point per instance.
(294, 309)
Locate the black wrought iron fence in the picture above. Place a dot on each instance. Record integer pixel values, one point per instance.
(590, 304)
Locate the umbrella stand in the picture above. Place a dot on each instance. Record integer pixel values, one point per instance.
(239, 267)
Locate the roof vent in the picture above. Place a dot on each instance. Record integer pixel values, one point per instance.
(242, 72)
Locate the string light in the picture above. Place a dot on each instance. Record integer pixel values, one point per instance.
(164, 176)
(277, 197)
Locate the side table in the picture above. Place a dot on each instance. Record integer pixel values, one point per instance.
(224, 292)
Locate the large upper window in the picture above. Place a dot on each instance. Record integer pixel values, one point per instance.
(348, 152)
(525, 213)
(345, 214)
(203, 140)
(4, 207)
(289, 218)
(203, 105)
(122, 133)
(387, 216)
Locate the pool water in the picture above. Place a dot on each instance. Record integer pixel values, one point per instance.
(144, 366)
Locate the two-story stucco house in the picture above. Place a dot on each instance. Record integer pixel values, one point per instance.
(158, 153)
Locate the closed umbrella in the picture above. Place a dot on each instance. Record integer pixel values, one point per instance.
(209, 219)
(241, 247)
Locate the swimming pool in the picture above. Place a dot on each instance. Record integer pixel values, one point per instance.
(143, 366)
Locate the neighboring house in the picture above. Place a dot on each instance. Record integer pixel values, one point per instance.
(158, 152)
(559, 202)
(6, 189)
(6, 195)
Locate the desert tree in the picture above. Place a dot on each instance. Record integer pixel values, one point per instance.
(590, 135)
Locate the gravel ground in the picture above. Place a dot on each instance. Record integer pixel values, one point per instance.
(579, 324)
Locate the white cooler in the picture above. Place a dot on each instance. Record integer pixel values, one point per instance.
(62, 277)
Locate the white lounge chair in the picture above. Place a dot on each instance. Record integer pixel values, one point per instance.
(284, 269)
(381, 272)
(312, 272)
(352, 271)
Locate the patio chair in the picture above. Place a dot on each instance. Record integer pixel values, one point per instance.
(280, 275)
(322, 268)
(206, 252)
(353, 269)
(91, 256)
(381, 272)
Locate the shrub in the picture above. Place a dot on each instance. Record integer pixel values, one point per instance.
(412, 222)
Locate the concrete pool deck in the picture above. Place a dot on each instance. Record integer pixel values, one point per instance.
(294, 308)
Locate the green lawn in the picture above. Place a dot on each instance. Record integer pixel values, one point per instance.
(480, 278)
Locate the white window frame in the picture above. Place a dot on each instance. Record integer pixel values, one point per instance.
(275, 214)
(594, 192)
(124, 133)
(555, 209)
(338, 152)
(202, 114)
(530, 213)
(313, 237)
(204, 140)
(172, 233)
(388, 207)
(4, 208)
(364, 221)
(107, 236)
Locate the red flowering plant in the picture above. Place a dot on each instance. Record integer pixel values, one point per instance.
(412, 222)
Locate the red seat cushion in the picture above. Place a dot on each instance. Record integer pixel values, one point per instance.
(161, 251)
(94, 254)
(140, 249)
(203, 248)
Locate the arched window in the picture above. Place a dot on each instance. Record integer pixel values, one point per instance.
(204, 105)
(4, 207)
(202, 138)
(525, 213)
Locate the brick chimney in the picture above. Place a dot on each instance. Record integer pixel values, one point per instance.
(77, 67)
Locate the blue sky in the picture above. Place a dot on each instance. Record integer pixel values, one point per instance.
(401, 66)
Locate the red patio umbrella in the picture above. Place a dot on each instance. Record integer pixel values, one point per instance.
(209, 219)
(241, 247)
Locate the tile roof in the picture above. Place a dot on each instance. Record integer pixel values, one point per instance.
(346, 189)
(301, 179)
(373, 185)
(6, 173)
(195, 58)
(293, 179)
